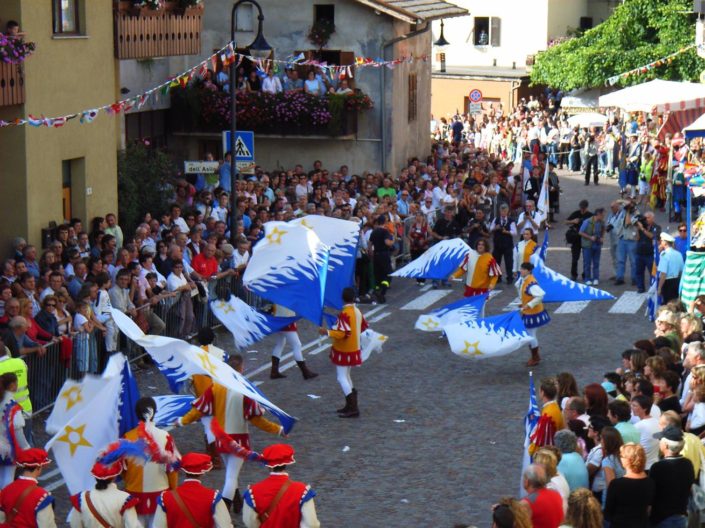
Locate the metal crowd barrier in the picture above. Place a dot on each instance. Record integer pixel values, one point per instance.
(48, 372)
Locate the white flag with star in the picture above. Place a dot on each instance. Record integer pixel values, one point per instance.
(371, 341)
(73, 397)
(179, 361)
(78, 443)
(465, 309)
(489, 337)
(246, 324)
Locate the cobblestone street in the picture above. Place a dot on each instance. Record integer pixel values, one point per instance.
(440, 437)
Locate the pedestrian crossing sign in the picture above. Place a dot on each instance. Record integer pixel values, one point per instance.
(244, 145)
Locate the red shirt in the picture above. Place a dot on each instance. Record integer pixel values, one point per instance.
(204, 266)
(37, 499)
(546, 508)
(199, 500)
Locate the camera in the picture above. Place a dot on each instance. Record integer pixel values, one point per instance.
(609, 228)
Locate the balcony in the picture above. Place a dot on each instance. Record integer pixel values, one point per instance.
(202, 108)
(146, 34)
(11, 84)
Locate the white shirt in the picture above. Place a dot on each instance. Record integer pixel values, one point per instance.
(647, 427)
(697, 416)
(108, 503)
(173, 282)
(240, 260)
(560, 484)
(271, 84)
(181, 224)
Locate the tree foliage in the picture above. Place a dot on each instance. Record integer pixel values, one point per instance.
(144, 177)
(638, 32)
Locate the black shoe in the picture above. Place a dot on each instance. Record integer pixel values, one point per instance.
(348, 402)
(274, 372)
(307, 373)
(587, 183)
(353, 411)
(618, 282)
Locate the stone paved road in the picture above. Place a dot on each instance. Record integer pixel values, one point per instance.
(440, 437)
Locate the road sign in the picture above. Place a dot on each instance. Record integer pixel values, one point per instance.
(244, 145)
(201, 167)
(475, 95)
(475, 108)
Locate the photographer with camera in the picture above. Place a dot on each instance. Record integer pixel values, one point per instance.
(572, 235)
(649, 233)
(626, 247)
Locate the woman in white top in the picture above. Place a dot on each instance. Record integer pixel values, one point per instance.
(312, 85)
(548, 459)
(63, 318)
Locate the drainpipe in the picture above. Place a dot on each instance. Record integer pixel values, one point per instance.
(382, 91)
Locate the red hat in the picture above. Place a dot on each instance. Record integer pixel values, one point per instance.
(107, 471)
(278, 455)
(32, 458)
(196, 463)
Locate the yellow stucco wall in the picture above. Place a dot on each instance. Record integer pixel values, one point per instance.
(64, 75)
(447, 95)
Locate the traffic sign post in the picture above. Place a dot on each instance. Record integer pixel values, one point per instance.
(244, 150)
(475, 108)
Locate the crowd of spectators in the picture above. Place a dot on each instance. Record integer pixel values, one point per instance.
(315, 81)
(625, 450)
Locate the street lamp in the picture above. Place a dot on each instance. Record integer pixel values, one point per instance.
(259, 49)
(441, 43)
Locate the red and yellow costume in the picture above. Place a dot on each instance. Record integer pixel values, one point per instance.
(147, 481)
(345, 350)
(233, 412)
(551, 421)
(481, 273)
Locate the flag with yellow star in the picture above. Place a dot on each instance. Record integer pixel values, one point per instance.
(73, 397)
(179, 361)
(493, 336)
(79, 442)
(289, 266)
(245, 323)
(341, 237)
(466, 309)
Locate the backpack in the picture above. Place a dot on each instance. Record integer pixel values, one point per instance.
(572, 236)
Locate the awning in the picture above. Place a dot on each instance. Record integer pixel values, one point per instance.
(587, 120)
(695, 129)
(657, 96)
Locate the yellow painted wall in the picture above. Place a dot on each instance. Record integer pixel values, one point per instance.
(64, 75)
(447, 95)
(564, 14)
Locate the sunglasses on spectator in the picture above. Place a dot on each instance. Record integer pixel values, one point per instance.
(51, 305)
(682, 230)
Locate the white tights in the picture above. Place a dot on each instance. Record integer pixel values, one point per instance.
(534, 341)
(292, 338)
(233, 465)
(344, 379)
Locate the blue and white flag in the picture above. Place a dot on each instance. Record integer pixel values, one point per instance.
(544, 246)
(118, 365)
(341, 237)
(542, 202)
(560, 288)
(371, 341)
(438, 262)
(246, 324)
(171, 407)
(289, 267)
(489, 337)
(652, 302)
(179, 361)
(79, 442)
(466, 309)
(531, 420)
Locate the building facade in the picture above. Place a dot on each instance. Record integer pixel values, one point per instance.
(383, 137)
(494, 49)
(52, 174)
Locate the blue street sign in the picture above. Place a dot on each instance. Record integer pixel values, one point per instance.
(244, 145)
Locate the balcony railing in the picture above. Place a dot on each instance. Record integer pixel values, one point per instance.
(11, 84)
(167, 32)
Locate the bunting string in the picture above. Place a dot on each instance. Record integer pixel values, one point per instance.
(225, 57)
(668, 59)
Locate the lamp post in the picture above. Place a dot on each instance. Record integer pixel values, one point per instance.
(442, 43)
(259, 49)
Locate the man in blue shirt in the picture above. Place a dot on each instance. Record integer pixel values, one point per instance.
(670, 267)
(681, 243)
(224, 180)
(403, 204)
(592, 232)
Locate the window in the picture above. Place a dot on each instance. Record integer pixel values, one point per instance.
(413, 98)
(147, 127)
(324, 13)
(487, 31)
(66, 188)
(66, 17)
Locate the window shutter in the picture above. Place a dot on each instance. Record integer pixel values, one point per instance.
(495, 31)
